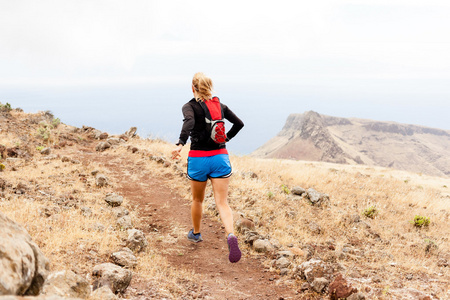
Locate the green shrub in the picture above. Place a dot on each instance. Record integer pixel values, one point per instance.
(40, 148)
(270, 195)
(2, 167)
(285, 189)
(370, 212)
(5, 107)
(420, 221)
(43, 132)
(56, 122)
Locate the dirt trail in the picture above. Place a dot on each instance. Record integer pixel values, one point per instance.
(167, 213)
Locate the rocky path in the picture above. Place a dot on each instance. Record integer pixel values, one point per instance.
(168, 214)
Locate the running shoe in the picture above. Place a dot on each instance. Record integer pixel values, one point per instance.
(233, 247)
(194, 237)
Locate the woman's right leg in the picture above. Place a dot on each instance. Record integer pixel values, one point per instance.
(198, 194)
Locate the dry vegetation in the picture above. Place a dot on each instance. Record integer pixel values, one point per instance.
(387, 245)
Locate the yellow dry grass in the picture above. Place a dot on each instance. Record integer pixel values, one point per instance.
(397, 195)
(72, 240)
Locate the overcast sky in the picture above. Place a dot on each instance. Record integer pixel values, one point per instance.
(400, 48)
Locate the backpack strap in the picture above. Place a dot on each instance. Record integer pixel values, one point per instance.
(213, 109)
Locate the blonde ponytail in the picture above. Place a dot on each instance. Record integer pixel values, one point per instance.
(203, 86)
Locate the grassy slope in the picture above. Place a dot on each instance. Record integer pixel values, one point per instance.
(70, 240)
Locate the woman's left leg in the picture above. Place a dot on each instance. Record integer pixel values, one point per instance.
(220, 189)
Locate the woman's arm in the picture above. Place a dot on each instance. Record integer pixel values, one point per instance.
(237, 123)
(188, 124)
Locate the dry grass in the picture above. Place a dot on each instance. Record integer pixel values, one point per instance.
(50, 209)
(397, 195)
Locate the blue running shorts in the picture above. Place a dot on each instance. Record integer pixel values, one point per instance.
(202, 168)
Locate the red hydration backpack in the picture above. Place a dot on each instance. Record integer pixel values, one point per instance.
(215, 124)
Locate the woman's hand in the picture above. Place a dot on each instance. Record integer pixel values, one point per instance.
(176, 152)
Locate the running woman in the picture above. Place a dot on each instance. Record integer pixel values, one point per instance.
(207, 159)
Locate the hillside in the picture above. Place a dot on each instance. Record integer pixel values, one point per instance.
(308, 230)
(314, 137)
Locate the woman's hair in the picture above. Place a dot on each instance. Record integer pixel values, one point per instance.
(203, 86)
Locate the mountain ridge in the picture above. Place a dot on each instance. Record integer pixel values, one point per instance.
(316, 137)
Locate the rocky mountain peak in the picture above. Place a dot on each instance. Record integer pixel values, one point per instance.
(311, 136)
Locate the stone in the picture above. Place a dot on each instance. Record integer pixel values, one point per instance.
(316, 198)
(103, 293)
(113, 141)
(442, 262)
(114, 199)
(136, 240)
(282, 263)
(296, 190)
(23, 266)
(243, 224)
(340, 288)
(275, 243)
(314, 228)
(131, 132)
(66, 284)
(356, 296)
(377, 279)
(46, 151)
(249, 174)
(305, 286)
(319, 284)
(124, 259)
(262, 245)
(251, 237)
(286, 253)
(86, 211)
(124, 222)
(120, 211)
(98, 227)
(102, 146)
(65, 159)
(284, 271)
(113, 276)
(297, 252)
(101, 180)
(315, 268)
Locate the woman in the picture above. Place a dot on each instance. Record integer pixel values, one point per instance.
(207, 159)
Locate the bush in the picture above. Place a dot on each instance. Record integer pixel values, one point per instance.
(5, 107)
(270, 195)
(370, 212)
(56, 122)
(420, 221)
(285, 189)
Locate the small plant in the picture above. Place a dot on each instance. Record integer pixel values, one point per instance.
(444, 186)
(420, 221)
(5, 107)
(285, 189)
(56, 122)
(40, 148)
(370, 212)
(44, 133)
(270, 195)
(2, 167)
(430, 245)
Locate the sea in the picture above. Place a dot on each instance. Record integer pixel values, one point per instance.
(155, 109)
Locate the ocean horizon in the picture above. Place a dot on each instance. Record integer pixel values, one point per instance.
(155, 109)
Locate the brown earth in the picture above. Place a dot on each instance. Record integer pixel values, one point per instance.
(162, 209)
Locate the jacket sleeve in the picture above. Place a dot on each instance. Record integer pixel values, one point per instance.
(237, 123)
(188, 123)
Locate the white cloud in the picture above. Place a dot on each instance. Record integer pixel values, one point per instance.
(97, 41)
